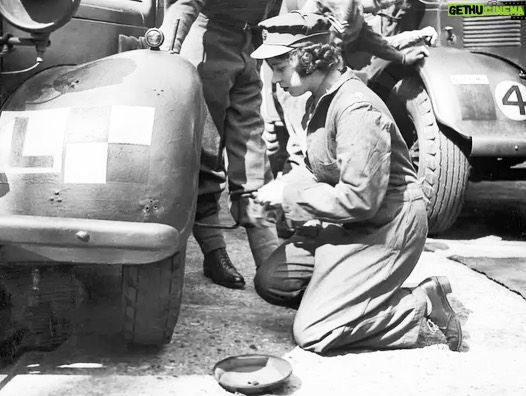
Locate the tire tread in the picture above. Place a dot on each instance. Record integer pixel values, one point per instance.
(444, 164)
(151, 300)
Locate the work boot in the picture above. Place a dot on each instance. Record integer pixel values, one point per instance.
(442, 315)
(218, 267)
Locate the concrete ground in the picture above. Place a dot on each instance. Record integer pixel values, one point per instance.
(216, 322)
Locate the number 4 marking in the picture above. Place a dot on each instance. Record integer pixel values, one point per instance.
(520, 103)
(510, 98)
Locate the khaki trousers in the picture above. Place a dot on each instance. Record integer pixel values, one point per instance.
(232, 90)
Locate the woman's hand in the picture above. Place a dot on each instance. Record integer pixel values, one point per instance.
(270, 194)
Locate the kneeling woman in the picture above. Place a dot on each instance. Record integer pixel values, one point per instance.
(345, 276)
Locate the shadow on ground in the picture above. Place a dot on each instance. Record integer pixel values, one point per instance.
(492, 208)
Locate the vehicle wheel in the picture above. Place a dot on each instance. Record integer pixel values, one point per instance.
(151, 299)
(439, 156)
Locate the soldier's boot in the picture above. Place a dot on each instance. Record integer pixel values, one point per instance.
(218, 267)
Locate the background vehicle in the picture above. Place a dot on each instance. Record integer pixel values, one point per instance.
(100, 160)
(463, 110)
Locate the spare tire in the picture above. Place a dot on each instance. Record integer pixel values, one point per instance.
(439, 156)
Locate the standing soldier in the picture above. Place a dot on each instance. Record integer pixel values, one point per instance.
(217, 37)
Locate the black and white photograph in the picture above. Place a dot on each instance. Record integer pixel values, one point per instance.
(262, 197)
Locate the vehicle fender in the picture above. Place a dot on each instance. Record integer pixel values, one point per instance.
(480, 97)
(114, 139)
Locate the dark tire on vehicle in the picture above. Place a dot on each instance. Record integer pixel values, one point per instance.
(151, 299)
(439, 156)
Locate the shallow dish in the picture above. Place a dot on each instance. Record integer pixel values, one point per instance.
(251, 373)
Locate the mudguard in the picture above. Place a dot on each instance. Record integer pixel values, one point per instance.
(480, 97)
(85, 149)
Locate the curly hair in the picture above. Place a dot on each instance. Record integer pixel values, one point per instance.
(309, 57)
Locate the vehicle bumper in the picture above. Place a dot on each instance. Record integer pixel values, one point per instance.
(498, 139)
(84, 241)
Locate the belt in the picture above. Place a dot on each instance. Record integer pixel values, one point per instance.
(394, 197)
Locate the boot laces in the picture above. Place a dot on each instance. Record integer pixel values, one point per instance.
(433, 328)
(225, 260)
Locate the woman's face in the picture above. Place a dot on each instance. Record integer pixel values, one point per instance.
(284, 74)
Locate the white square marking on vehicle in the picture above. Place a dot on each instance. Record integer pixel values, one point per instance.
(470, 79)
(85, 163)
(131, 124)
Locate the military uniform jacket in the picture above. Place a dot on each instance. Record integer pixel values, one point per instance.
(239, 14)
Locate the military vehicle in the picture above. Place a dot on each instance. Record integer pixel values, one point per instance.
(99, 160)
(462, 110)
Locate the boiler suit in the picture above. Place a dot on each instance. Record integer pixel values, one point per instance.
(216, 36)
(360, 41)
(345, 275)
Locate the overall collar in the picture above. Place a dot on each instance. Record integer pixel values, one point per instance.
(346, 75)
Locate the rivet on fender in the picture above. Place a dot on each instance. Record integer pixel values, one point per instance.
(83, 236)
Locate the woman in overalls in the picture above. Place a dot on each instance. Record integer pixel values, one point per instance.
(345, 275)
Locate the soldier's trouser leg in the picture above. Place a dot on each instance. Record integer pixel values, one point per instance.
(212, 177)
(209, 239)
(231, 86)
(248, 167)
(347, 284)
(211, 183)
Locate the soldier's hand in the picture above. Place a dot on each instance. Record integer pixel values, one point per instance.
(429, 35)
(271, 139)
(242, 210)
(248, 213)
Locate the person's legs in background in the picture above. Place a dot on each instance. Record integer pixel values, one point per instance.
(217, 66)
(248, 166)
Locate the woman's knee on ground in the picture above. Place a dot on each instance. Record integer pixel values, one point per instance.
(312, 333)
(308, 334)
(273, 284)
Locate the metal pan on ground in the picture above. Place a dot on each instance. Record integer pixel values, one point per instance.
(253, 373)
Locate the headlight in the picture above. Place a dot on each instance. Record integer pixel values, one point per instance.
(154, 38)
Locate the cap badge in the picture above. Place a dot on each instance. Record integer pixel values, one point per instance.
(264, 34)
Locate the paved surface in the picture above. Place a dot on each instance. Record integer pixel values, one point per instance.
(509, 273)
(217, 322)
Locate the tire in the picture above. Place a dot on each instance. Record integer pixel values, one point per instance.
(438, 155)
(151, 300)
